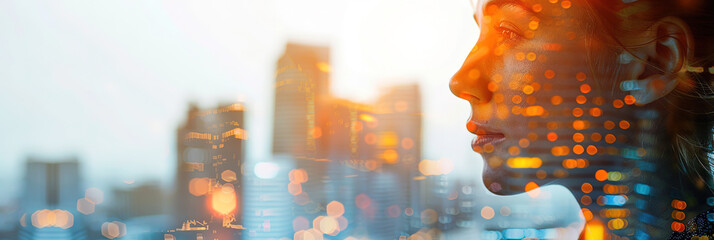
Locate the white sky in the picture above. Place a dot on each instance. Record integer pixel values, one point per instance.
(110, 80)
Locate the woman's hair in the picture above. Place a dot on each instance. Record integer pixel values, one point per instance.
(689, 117)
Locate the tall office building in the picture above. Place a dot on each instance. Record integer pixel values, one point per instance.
(209, 185)
(348, 153)
(268, 210)
(138, 201)
(49, 200)
(399, 145)
(301, 83)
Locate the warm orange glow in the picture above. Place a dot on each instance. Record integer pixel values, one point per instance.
(624, 124)
(524, 143)
(323, 66)
(570, 163)
(294, 188)
(229, 176)
(52, 218)
(487, 212)
(549, 74)
(560, 150)
(528, 89)
(552, 136)
(596, 137)
(578, 137)
(617, 223)
(578, 112)
(594, 230)
(537, 7)
(585, 88)
(513, 150)
(586, 200)
(679, 204)
(370, 138)
(524, 162)
(601, 175)
(580, 99)
(587, 214)
(610, 138)
(586, 187)
(609, 125)
(566, 4)
(579, 125)
(407, 143)
(516, 99)
(534, 111)
(556, 100)
(615, 212)
(435, 167)
(592, 150)
(371, 165)
(629, 100)
(533, 25)
(578, 149)
(224, 201)
(492, 87)
(615, 189)
(581, 76)
(199, 186)
(678, 226)
(582, 163)
(298, 175)
(367, 118)
(316, 132)
(532, 189)
(390, 156)
(618, 103)
(595, 112)
(335, 209)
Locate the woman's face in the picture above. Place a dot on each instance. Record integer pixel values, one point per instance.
(536, 110)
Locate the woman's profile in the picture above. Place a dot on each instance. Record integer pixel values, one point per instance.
(612, 99)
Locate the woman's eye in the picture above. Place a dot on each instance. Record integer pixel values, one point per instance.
(507, 33)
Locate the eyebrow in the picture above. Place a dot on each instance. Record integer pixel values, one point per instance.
(502, 3)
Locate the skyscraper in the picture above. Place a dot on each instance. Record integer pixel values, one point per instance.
(49, 200)
(301, 82)
(210, 156)
(399, 143)
(268, 209)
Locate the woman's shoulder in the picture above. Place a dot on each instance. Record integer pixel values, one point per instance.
(700, 226)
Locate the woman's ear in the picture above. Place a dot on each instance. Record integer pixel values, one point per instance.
(664, 57)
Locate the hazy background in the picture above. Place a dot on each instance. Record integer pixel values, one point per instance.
(110, 80)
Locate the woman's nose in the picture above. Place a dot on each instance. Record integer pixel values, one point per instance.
(471, 81)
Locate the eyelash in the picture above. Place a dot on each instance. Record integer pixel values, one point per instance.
(508, 35)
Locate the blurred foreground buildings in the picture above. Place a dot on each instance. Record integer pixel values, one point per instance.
(355, 164)
(339, 170)
(209, 180)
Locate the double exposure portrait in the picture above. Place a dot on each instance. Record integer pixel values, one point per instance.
(356, 120)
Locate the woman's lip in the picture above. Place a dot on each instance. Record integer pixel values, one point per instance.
(491, 138)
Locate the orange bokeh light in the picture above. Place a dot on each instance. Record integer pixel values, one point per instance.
(224, 201)
(601, 175)
(532, 189)
(199, 186)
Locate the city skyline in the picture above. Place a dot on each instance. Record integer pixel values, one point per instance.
(77, 127)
